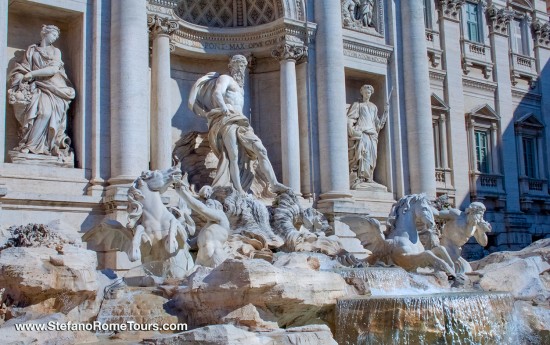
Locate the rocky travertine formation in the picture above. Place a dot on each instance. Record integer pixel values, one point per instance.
(139, 305)
(50, 282)
(231, 335)
(526, 275)
(290, 295)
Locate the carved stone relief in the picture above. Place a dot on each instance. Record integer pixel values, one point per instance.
(363, 15)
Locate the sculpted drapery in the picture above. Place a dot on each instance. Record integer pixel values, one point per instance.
(41, 92)
(364, 124)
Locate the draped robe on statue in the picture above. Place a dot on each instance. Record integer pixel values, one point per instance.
(363, 127)
(44, 118)
(202, 101)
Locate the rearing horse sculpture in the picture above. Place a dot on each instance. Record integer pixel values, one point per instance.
(152, 233)
(400, 243)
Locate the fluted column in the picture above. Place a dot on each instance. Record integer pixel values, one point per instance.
(417, 99)
(129, 90)
(287, 55)
(161, 124)
(3, 70)
(331, 101)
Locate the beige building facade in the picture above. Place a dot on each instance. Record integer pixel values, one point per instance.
(466, 84)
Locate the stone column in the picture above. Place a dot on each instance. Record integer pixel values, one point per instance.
(4, 75)
(331, 101)
(304, 129)
(471, 132)
(443, 141)
(161, 121)
(449, 19)
(129, 90)
(498, 32)
(288, 54)
(417, 99)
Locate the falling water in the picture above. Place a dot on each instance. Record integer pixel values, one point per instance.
(444, 318)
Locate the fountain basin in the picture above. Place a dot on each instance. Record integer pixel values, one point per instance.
(440, 318)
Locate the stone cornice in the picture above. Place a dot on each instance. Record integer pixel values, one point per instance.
(437, 74)
(161, 26)
(367, 51)
(287, 51)
(258, 40)
(450, 9)
(499, 19)
(541, 32)
(479, 84)
(526, 95)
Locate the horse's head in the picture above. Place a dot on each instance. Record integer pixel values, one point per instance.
(423, 211)
(160, 180)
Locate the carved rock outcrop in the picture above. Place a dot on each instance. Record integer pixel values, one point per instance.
(290, 296)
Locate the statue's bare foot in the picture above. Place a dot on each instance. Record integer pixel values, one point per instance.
(278, 188)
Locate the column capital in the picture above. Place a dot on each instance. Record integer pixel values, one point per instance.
(287, 51)
(450, 9)
(161, 26)
(499, 19)
(541, 31)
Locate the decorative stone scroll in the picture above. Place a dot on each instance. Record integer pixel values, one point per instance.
(541, 31)
(450, 9)
(286, 51)
(499, 19)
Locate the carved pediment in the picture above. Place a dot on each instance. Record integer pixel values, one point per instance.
(484, 111)
(438, 103)
(529, 121)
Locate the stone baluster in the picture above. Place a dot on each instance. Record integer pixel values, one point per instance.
(288, 54)
(331, 102)
(129, 90)
(161, 124)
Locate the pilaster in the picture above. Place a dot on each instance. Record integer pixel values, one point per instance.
(161, 125)
(498, 24)
(449, 16)
(288, 55)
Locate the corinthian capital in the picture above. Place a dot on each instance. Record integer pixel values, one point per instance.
(286, 51)
(541, 31)
(499, 18)
(450, 8)
(161, 26)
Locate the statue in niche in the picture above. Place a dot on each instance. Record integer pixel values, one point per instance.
(40, 93)
(220, 99)
(358, 14)
(364, 124)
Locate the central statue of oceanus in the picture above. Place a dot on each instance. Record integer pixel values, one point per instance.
(220, 98)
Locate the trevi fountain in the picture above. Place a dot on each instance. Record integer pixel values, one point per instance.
(232, 255)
